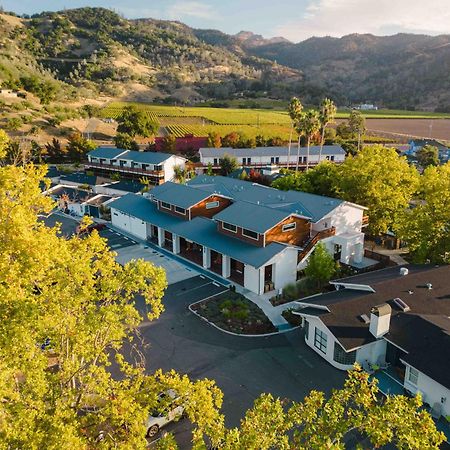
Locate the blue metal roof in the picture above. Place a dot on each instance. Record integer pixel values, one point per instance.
(253, 217)
(130, 155)
(200, 230)
(106, 152)
(127, 186)
(80, 178)
(312, 206)
(178, 194)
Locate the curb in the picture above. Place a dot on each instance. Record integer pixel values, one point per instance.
(230, 332)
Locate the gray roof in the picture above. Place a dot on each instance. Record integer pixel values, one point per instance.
(200, 230)
(178, 194)
(80, 178)
(127, 186)
(327, 150)
(253, 217)
(312, 206)
(130, 155)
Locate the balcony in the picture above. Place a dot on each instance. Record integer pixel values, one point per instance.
(312, 241)
(153, 173)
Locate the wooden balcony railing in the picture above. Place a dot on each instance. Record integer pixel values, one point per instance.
(312, 241)
(157, 173)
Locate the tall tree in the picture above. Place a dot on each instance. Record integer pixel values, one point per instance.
(78, 147)
(67, 310)
(228, 164)
(136, 122)
(425, 225)
(428, 155)
(295, 109)
(125, 141)
(4, 142)
(380, 180)
(214, 140)
(321, 266)
(308, 126)
(327, 114)
(357, 125)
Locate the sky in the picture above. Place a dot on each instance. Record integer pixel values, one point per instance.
(295, 20)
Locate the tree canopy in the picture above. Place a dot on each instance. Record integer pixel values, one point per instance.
(136, 122)
(428, 155)
(426, 224)
(228, 164)
(321, 266)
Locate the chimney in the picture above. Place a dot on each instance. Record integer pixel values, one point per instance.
(380, 318)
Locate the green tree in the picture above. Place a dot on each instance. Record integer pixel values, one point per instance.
(321, 266)
(4, 142)
(357, 125)
(78, 147)
(228, 164)
(68, 309)
(13, 123)
(295, 109)
(125, 141)
(321, 423)
(209, 170)
(214, 140)
(327, 114)
(425, 225)
(380, 180)
(428, 155)
(169, 143)
(308, 126)
(136, 122)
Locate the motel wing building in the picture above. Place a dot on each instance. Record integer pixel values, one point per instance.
(260, 157)
(256, 236)
(129, 164)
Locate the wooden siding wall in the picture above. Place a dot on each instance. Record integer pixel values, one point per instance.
(200, 208)
(294, 237)
(240, 236)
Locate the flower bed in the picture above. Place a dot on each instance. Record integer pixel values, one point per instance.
(233, 312)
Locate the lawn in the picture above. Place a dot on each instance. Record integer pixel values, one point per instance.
(233, 312)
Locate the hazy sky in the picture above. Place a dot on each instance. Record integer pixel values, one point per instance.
(293, 19)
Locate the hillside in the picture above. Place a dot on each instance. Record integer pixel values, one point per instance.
(403, 71)
(96, 49)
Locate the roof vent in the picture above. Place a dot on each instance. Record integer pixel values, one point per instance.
(401, 304)
(429, 286)
(365, 318)
(403, 271)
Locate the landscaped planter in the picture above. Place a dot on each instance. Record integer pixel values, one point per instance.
(235, 313)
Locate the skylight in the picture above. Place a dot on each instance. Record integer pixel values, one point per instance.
(401, 304)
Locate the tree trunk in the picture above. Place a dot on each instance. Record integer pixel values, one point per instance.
(289, 147)
(321, 144)
(298, 154)
(307, 154)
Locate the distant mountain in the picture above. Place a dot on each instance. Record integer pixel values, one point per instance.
(401, 71)
(97, 50)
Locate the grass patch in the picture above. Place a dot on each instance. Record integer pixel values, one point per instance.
(233, 312)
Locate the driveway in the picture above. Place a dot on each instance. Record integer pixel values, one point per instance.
(242, 367)
(128, 249)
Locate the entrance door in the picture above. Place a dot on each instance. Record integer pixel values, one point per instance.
(268, 278)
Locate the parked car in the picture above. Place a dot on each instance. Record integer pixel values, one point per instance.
(170, 411)
(93, 226)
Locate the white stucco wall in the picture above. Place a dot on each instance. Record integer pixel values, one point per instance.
(168, 167)
(373, 353)
(285, 268)
(253, 279)
(432, 391)
(130, 224)
(346, 218)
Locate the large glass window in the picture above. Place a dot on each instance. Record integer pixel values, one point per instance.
(249, 233)
(211, 205)
(320, 340)
(413, 376)
(180, 210)
(229, 227)
(289, 226)
(165, 205)
(306, 328)
(343, 357)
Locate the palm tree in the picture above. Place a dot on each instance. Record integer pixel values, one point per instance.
(327, 115)
(294, 110)
(309, 125)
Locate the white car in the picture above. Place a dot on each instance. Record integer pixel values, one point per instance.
(170, 411)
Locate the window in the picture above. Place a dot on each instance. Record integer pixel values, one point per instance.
(320, 340)
(180, 210)
(122, 163)
(277, 160)
(216, 162)
(229, 227)
(249, 233)
(211, 205)
(306, 328)
(272, 160)
(158, 168)
(413, 376)
(343, 357)
(115, 214)
(289, 226)
(165, 205)
(332, 157)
